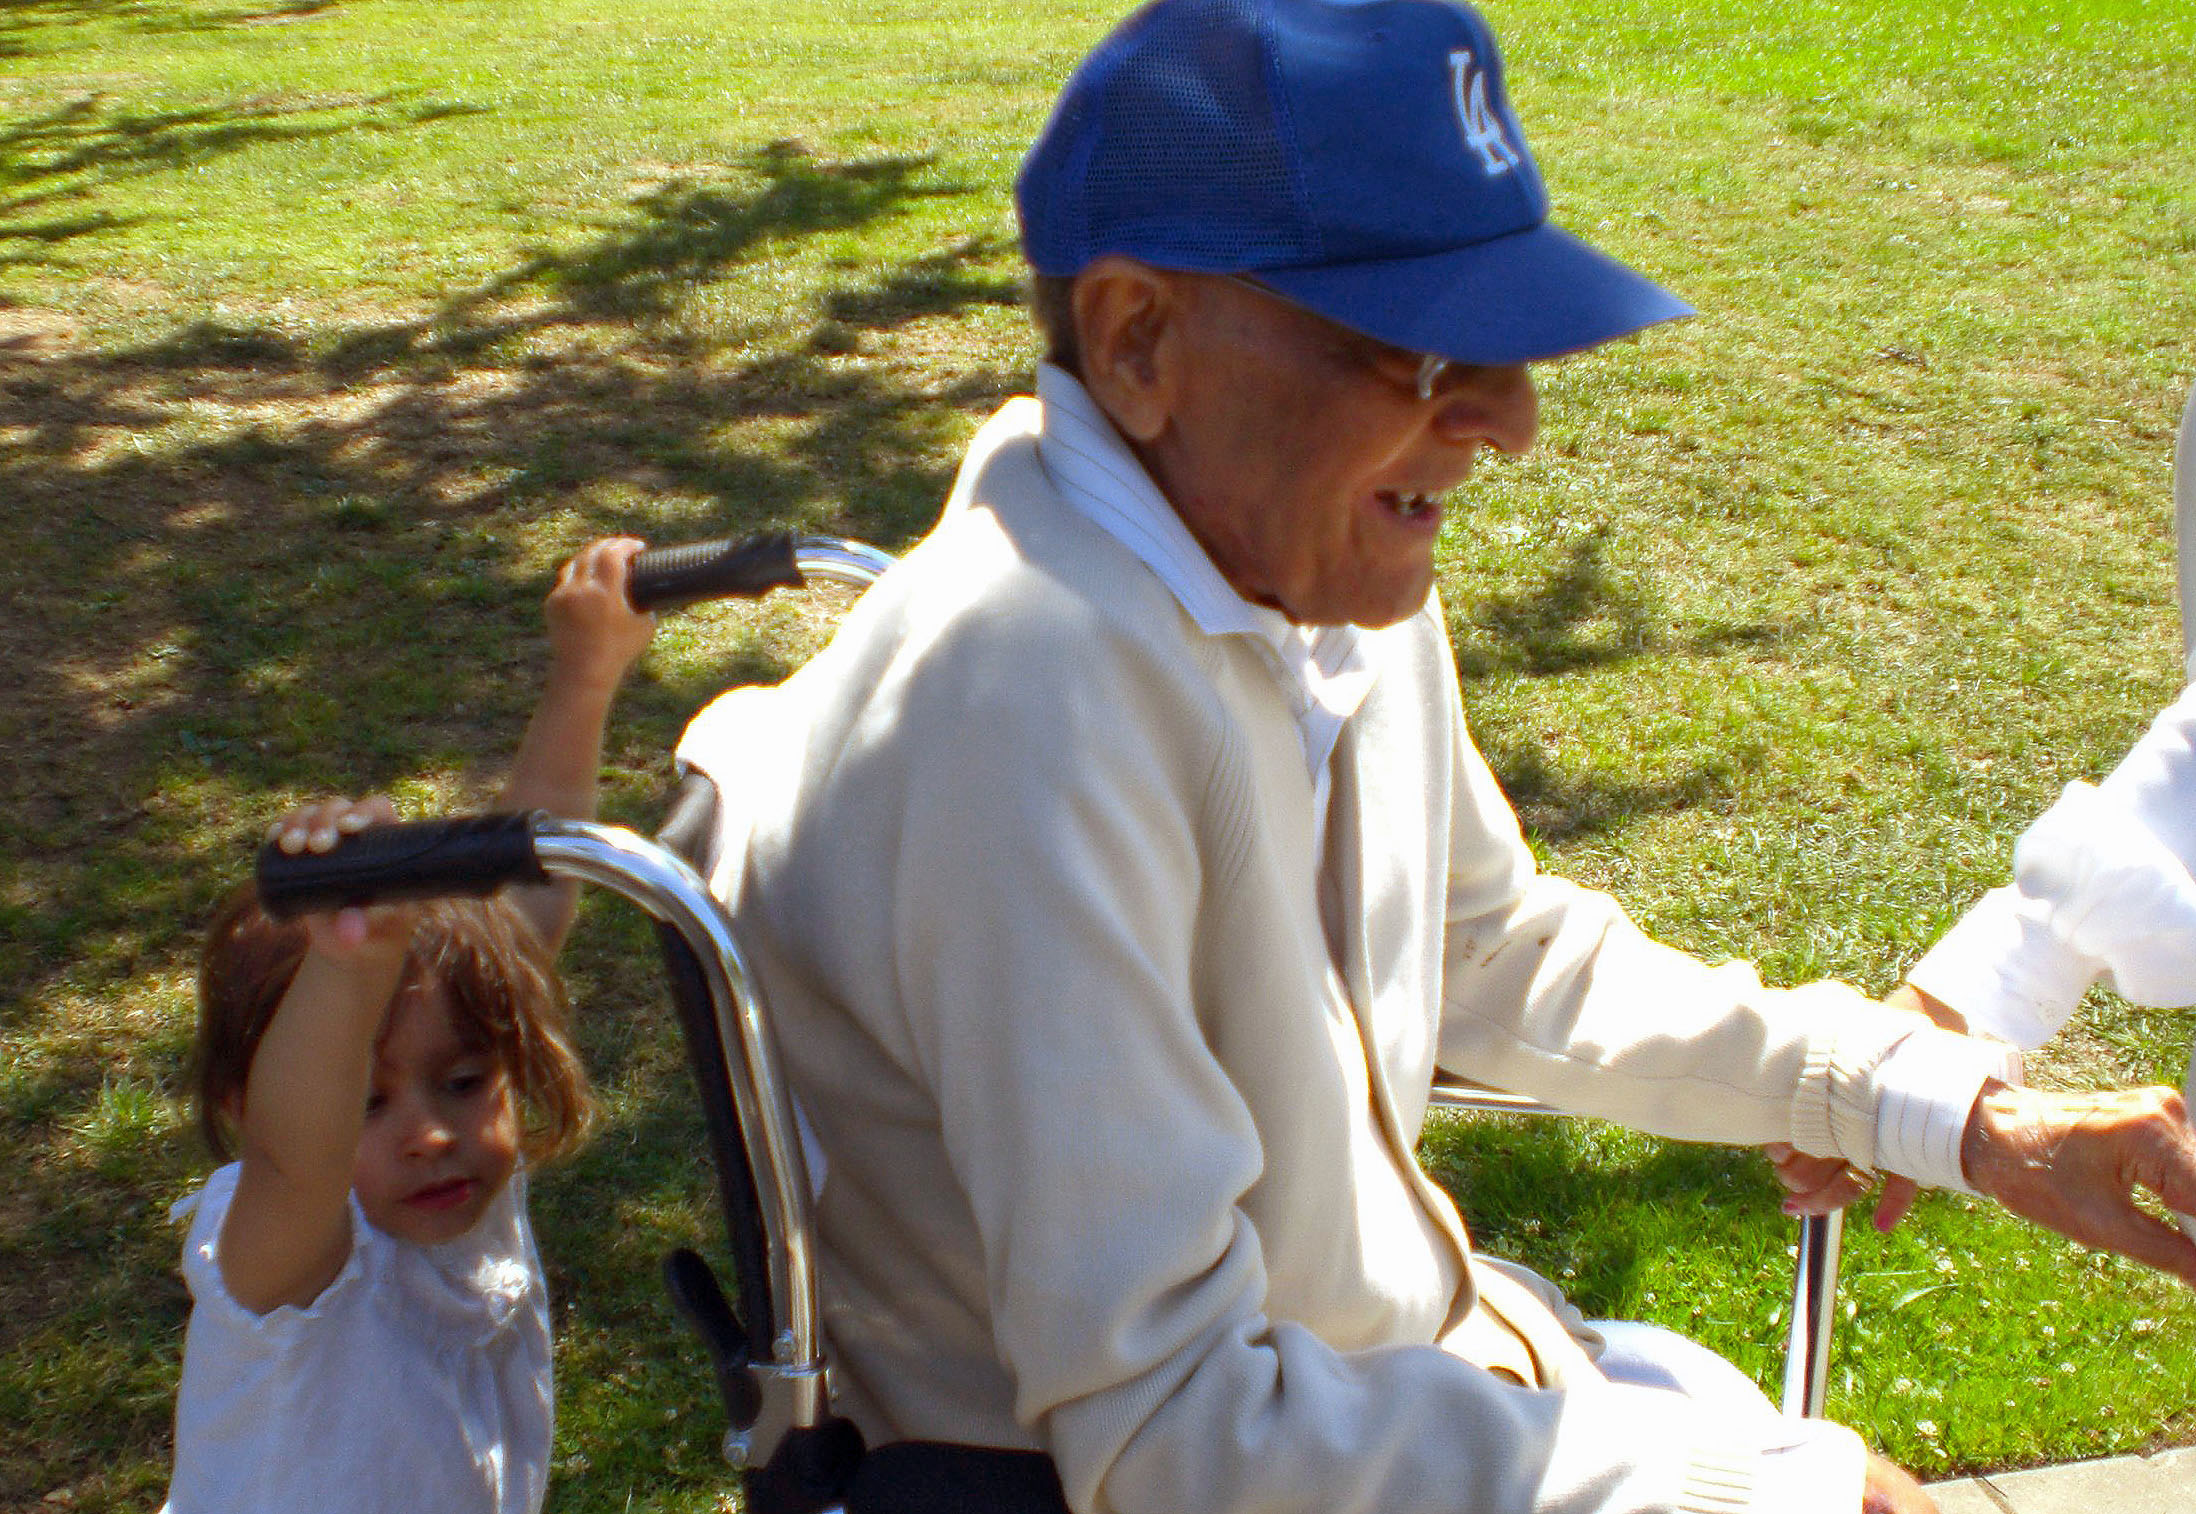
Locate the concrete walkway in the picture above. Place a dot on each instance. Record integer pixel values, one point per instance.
(2160, 1484)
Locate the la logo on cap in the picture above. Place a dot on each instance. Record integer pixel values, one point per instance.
(1482, 129)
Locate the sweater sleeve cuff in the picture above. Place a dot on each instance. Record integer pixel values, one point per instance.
(2002, 968)
(1926, 1089)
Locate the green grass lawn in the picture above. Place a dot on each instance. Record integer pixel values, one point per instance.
(326, 328)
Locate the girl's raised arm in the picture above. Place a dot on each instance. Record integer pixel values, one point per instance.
(288, 1229)
(595, 636)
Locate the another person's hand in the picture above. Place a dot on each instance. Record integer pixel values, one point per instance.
(595, 634)
(2073, 1162)
(346, 935)
(1890, 1489)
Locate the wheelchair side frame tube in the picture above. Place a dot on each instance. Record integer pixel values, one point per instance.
(661, 883)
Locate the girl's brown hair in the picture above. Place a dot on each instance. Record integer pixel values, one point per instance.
(504, 998)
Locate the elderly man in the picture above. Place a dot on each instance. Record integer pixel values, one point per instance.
(1132, 872)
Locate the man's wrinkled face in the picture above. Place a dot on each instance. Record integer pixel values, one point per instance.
(1308, 463)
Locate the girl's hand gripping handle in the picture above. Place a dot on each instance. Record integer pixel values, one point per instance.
(747, 567)
(421, 859)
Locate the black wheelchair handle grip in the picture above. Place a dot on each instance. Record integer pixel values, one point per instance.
(745, 567)
(421, 859)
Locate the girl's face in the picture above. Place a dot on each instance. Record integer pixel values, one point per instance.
(442, 1131)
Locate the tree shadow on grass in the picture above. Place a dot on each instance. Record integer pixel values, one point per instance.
(248, 560)
(354, 510)
(1559, 804)
(54, 162)
(1583, 616)
(22, 20)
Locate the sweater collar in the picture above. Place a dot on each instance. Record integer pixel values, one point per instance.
(1094, 468)
(1323, 669)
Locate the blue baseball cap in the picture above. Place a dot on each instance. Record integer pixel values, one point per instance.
(1359, 157)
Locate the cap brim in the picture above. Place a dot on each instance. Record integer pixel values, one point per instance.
(1520, 298)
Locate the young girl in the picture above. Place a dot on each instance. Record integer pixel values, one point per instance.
(371, 1326)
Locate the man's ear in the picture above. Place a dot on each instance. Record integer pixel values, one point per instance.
(1128, 320)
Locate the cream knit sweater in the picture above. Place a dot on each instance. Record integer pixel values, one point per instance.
(1120, 1083)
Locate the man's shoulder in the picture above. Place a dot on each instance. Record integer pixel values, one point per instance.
(1014, 571)
(1034, 647)
(1010, 643)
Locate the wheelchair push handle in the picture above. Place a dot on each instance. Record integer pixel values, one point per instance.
(742, 567)
(748, 567)
(419, 859)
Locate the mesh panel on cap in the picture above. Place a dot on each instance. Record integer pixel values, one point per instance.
(1165, 145)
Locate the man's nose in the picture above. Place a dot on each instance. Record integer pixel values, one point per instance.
(1496, 406)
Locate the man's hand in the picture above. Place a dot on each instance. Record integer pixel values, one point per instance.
(1823, 1185)
(2072, 1162)
(1890, 1490)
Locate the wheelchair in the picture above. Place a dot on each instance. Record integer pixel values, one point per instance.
(768, 1352)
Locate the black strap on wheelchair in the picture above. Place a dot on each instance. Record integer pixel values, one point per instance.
(687, 831)
(812, 1466)
(810, 1471)
(736, 1190)
(929, 1477)
(827, 1464)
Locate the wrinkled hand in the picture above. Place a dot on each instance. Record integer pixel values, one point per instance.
(346, 934)
(2072, 1163)
(1823, 1185)
(595, 634)
(1889, 1489)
